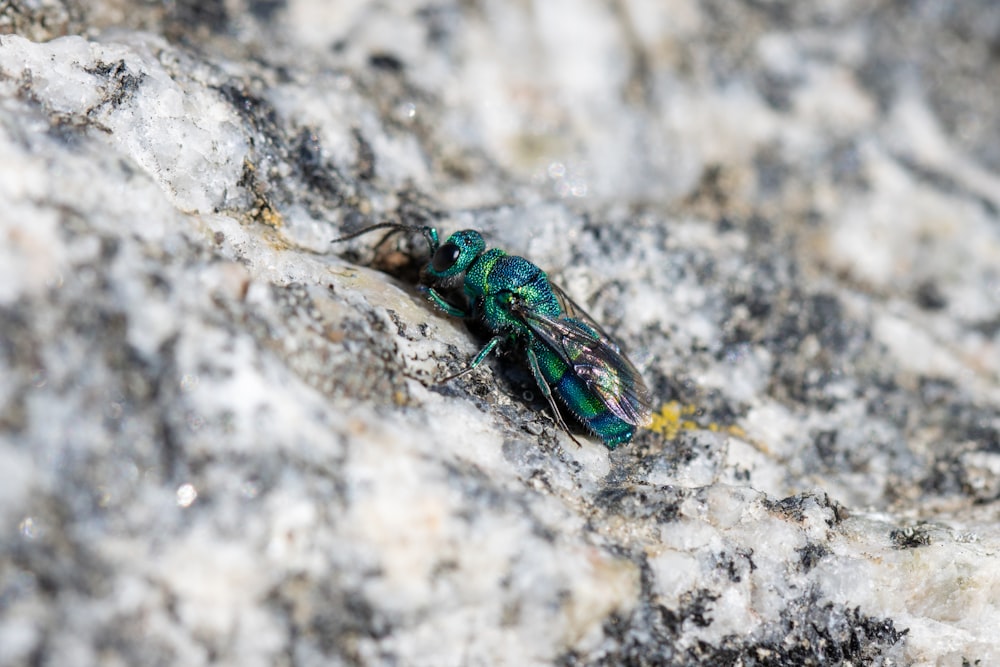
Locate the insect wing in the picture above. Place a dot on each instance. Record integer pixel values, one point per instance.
(573, 310)
(596, 361)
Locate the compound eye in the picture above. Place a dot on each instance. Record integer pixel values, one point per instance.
(445, 257)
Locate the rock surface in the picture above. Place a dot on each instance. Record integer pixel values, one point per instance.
(221, 437)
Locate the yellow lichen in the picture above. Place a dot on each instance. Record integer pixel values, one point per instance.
(673, 418)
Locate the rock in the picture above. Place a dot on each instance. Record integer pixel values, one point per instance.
(221, 433)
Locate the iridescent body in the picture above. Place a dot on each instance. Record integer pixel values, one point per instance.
(570, 357)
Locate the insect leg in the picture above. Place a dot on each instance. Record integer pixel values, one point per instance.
(439, 301)
(543, 385)
(478, 359)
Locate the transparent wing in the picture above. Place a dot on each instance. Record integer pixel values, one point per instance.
(572, 309)
(593, 358)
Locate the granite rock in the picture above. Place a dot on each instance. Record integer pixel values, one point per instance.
(221, 434)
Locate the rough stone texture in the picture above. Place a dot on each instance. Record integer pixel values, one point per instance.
(221, 437)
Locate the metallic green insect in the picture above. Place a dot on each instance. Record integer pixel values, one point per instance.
(570, 356)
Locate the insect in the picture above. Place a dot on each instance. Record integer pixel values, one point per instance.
(570, 356)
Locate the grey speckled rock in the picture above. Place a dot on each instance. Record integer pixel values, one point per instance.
(221, 437)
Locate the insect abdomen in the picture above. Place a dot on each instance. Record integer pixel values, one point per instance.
(585, 405)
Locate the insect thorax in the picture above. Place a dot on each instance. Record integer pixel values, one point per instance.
(497, 281)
